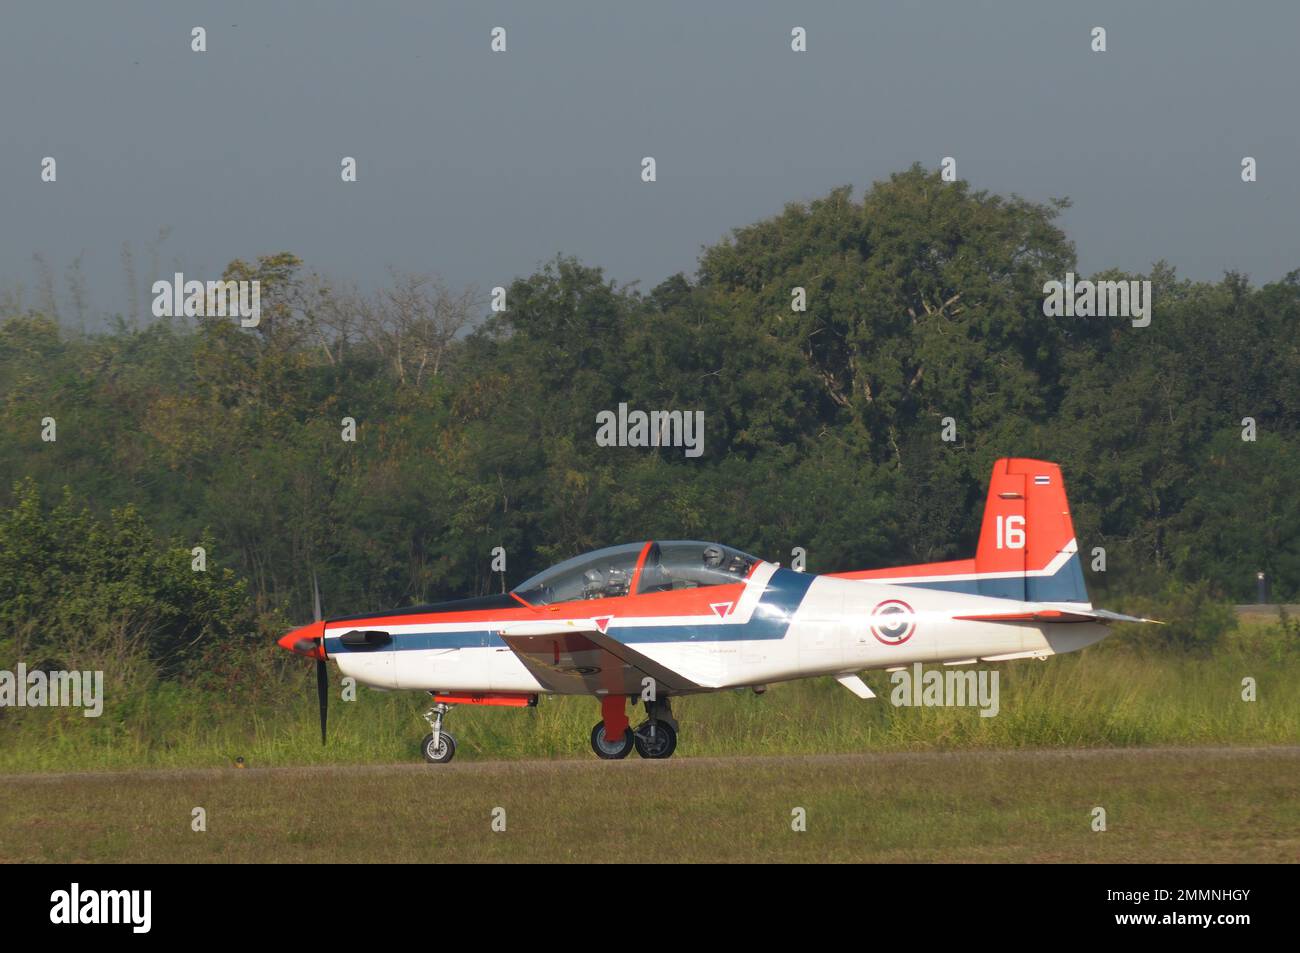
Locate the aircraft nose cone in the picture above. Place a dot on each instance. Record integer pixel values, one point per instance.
(308, 640)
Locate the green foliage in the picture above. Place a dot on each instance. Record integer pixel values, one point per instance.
(1195, 616)
(1123, 696)
(924, 301)
(64, 572)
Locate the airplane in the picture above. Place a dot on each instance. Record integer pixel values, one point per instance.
(646, 622)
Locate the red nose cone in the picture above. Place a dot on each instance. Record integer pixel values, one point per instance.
(309, 640)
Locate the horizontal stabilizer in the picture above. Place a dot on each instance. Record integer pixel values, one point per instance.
(1105, 616)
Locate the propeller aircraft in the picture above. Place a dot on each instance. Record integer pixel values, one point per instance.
(646, 622)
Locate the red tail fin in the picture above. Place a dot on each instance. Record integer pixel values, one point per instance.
(1027, 531)
(1027, 549)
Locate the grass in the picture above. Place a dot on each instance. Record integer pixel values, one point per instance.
(1206, 805)
(1116, 694)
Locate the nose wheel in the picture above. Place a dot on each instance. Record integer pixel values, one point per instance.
(439, 749)
(438, 746)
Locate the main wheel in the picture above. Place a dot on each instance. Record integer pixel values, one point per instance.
(610, 750)
(662, 745)
(444, 752)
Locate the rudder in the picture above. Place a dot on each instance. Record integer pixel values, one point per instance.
(1027, 548)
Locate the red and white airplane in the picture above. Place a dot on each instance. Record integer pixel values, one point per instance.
(645, 622)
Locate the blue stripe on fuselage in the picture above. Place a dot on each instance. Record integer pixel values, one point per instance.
(1065, 586)
(771, 620)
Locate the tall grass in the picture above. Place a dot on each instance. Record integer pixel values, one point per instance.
(1113, 694)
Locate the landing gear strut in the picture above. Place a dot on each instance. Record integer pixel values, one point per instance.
(611, 738)
(656, 737)
(439, 747)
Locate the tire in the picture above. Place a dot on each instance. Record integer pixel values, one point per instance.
(446, 748)
(661, 746)
(607, 751)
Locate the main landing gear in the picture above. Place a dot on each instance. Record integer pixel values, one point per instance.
(655, 738)
(611, 749)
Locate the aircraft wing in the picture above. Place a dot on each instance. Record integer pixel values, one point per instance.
(576, 658)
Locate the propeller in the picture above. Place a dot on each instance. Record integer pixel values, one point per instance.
(309, 640)
(322, 673)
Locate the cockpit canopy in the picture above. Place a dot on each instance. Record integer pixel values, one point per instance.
(637, 567)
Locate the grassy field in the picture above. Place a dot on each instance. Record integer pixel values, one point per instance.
(1112, 695)
(1185, 769)
(1206, 805)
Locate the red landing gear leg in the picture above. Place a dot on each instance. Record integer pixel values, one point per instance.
(612, 739)
(613, 710)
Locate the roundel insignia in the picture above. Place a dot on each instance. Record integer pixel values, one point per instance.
(891, 622)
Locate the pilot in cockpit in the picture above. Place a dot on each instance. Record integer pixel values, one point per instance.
(716, 558)
(602, 585)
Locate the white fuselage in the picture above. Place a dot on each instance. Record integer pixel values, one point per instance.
(835, 627)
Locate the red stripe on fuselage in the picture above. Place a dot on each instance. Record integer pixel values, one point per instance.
(676, 602)
(955, 568)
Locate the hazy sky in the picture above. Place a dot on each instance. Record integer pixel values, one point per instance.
(480, 166)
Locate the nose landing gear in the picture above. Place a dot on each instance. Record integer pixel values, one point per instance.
(439, 746)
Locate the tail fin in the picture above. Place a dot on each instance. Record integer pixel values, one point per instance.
(1027, 549)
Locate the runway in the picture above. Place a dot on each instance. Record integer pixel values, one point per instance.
(1068, 805)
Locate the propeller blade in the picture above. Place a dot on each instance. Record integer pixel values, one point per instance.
(323, 694)
(315, 599)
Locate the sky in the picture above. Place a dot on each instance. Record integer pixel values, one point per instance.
(481, 166)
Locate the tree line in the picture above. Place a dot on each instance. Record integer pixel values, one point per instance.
(476, 429)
